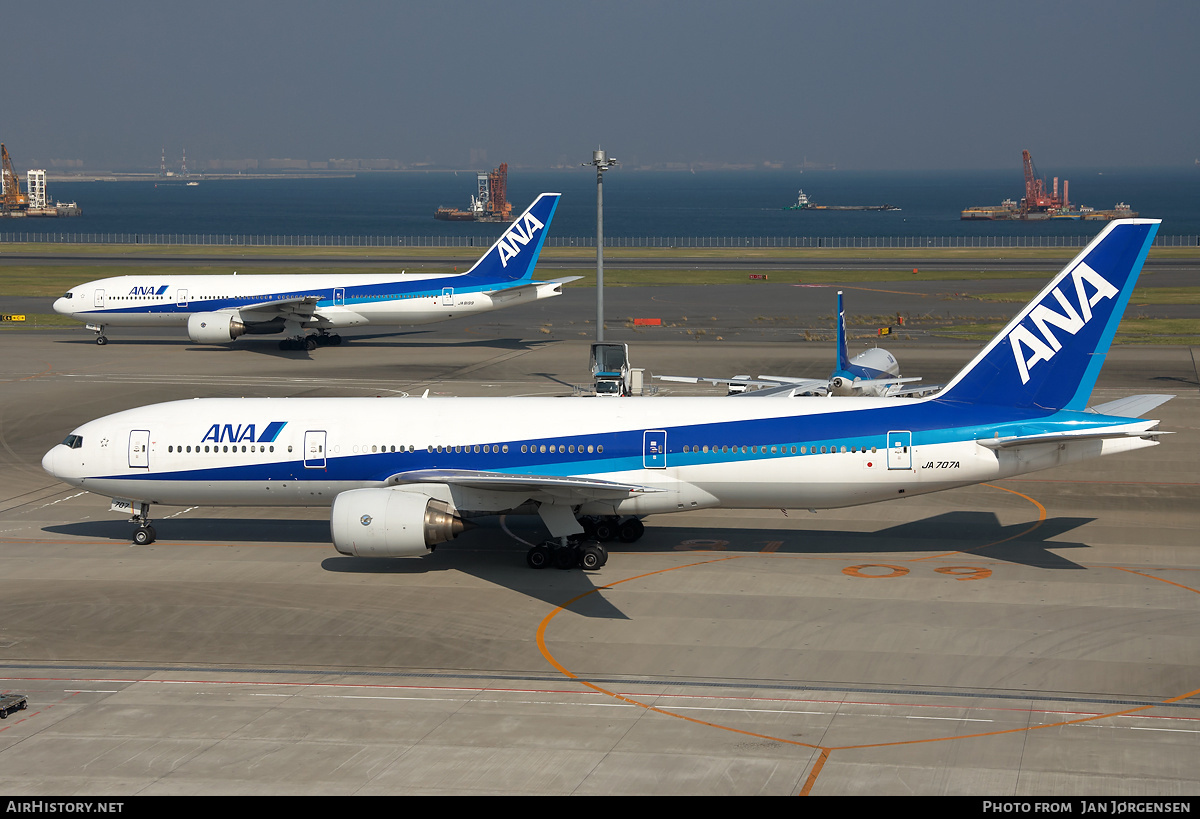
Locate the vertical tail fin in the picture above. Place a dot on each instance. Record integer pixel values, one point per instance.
(843, 357)
(515, 254)
(1050, 355)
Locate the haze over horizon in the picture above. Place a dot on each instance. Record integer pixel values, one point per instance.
(861, 85)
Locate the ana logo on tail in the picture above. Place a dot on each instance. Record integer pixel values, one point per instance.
(515, 238)
(1024, 339)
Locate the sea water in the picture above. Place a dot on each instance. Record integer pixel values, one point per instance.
(636, 203)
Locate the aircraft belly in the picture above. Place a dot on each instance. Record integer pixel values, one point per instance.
(116, 319)
(223, 493)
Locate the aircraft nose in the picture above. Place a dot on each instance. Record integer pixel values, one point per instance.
(62, 306)
(49, 458)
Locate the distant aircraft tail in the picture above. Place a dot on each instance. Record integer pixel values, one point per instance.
(1050, 355)
(515, 254)
(843, 357)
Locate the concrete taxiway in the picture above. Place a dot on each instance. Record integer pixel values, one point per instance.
(1032, 637)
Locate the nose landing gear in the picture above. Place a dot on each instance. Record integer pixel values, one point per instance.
(144, 534)
(99, 331)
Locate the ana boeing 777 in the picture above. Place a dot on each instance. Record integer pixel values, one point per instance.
(405, 474)
(305, 308)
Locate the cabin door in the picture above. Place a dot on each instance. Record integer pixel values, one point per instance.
(139, 449)
(181, 298)
(654, 449)
(447, 296)
(314, 449)
(899, 449)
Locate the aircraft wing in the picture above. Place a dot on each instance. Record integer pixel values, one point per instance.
(562, 487)
(915, 392)
(302, 307)
(761, 381)
(781, 391)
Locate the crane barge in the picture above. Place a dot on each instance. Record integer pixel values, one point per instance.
(1040, 203)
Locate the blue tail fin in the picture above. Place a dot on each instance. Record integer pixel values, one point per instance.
(1050, 355)
(515, 254)
(843, 358)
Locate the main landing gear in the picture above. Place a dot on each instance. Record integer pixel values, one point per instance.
(311, 342)
(585, 551)
(606, 528)
(568, 553)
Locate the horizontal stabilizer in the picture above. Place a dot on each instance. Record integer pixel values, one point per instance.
(1135, 406)
(1147, 431)
(549, 284)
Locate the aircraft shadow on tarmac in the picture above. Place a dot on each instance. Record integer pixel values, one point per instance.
(490, 554)
(376, 341)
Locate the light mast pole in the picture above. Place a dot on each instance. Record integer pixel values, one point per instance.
(603, 162)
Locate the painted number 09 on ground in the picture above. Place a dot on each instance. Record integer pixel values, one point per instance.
(875, 571)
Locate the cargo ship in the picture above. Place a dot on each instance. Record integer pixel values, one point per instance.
(803, 203)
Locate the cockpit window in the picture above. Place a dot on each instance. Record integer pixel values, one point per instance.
(73, 441)
(68, 295)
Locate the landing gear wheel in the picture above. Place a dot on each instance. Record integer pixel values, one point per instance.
(310, 343)
(605, 529)
(334, 339)
(592, 557)
(538, 557)
(630, 531)
(144, 535)
(101, 340)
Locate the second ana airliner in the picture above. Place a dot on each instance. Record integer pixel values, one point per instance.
(405, 474)
(871, 372)
(305, 308)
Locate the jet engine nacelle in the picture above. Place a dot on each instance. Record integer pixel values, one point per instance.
(390, 523)
(214, 328)
(842, 386)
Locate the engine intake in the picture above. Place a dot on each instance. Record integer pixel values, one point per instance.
(841, 386)
(391, 523)
(214, 328)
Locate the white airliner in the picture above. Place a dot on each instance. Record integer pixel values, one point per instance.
(405, 474)
(218, 309)
(872, 372)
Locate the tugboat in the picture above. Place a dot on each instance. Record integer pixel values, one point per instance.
(802, 203)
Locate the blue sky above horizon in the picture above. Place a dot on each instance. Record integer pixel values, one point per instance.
(863, 85)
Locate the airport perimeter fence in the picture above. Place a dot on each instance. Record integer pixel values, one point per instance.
(865, 242)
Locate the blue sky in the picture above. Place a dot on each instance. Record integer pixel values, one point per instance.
(865, 85)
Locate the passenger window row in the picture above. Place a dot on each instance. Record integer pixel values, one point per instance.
(774, 450)
(225, 448)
